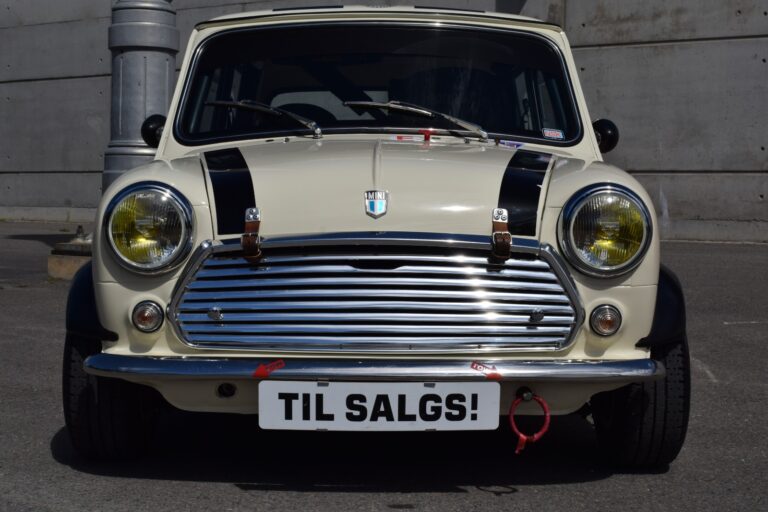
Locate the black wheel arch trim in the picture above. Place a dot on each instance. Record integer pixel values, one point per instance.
(82, 313)
(669, 313)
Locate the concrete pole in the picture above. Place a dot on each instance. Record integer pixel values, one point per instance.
(144, 41)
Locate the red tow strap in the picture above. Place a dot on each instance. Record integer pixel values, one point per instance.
(523, 439)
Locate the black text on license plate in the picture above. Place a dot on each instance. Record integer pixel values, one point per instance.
(292, 405)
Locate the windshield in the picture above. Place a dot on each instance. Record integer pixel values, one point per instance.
(509, 83)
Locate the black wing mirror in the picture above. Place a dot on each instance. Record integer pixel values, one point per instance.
(152, 129)
(607, 134)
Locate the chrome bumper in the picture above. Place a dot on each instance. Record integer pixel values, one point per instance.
(142, 367)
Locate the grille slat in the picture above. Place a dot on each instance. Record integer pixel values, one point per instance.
(341, 294)
(369, 282)
(372, 299)
(383, 258)
(373, 305)
(342, 328)
(383, 343)
(374, 317)
(463, 271)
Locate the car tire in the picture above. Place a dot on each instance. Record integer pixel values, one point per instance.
(643, 426)
(107, 419)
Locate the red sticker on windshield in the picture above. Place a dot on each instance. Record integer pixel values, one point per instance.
(551, 133)
(408, 138)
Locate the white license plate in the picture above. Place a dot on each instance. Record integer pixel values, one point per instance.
(289, 405)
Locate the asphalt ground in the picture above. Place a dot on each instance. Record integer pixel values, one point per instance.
(208, 462)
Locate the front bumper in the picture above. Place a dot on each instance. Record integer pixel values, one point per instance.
(194, 368)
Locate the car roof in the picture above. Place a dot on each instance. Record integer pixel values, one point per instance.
(339, 11)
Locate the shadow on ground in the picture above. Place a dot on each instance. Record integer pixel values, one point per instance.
(229, 448)
(48, 239)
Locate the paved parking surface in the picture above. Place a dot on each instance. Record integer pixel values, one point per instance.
(224, 463)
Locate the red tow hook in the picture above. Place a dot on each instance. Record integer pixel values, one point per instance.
(526, 395)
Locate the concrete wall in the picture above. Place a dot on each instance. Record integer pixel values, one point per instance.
(685, 80)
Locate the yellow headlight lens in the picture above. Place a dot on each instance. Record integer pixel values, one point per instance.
(148, 228)
(608, 231)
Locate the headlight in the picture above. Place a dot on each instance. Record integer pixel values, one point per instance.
(149, 227)
(605, 230)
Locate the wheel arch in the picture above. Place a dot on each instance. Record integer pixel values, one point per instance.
(82, 317)
(669, 314)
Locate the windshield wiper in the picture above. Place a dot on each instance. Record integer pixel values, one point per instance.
(418, 110)
(258, 106)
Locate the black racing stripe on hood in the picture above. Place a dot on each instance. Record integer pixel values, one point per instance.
(521, 190)
(232, 189)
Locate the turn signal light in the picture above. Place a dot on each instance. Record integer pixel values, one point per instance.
(605, 320)
(147, 316)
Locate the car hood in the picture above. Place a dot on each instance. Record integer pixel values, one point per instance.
(306, 187)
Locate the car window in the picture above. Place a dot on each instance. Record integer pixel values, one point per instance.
(509, 83)
(327, 101)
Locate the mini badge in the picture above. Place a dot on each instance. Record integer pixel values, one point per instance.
(376, 202)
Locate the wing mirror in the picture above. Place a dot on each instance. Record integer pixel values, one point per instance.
(607, 134)
(152, 129)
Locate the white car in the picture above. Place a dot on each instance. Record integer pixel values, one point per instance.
(378, 219)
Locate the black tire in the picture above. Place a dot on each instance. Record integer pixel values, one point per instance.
(643, 426)
(107, 419)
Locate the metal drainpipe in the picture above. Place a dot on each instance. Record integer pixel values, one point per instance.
(144, 41)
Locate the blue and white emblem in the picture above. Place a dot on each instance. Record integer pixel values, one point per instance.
(376, 202)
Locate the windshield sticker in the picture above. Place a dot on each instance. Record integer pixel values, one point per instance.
(408, 138)
(551, 133)
(510, 144)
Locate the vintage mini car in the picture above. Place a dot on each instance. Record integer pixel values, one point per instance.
(378, 219)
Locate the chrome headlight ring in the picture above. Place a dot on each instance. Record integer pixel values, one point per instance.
(186, 216)
(572, 209)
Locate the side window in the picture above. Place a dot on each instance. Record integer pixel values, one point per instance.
(524, 102)
(551, 103)
(220, 85)
(223, 84)
(203, 118)
(539, 102)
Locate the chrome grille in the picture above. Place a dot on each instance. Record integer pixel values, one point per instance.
(373, 298)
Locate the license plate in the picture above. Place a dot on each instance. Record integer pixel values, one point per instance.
(289, 405)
